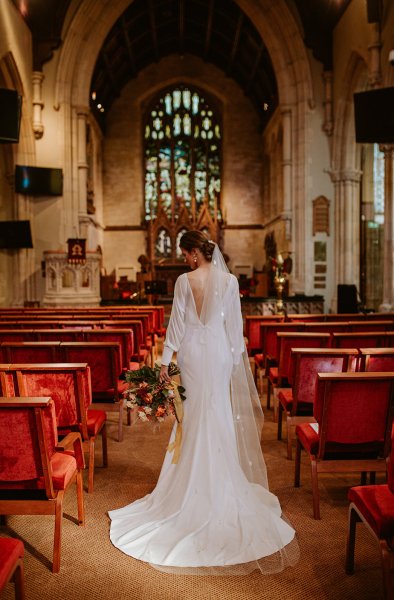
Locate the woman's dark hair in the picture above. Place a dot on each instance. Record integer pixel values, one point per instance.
(196, 239)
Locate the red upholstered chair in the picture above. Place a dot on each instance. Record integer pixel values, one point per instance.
(36, 469)
(271, 348)
(280, 377)
(367, 339)
(11, 565)
(105, 367)
(297, 403)
(69, 386)
(141, 353)
(31, 352)
(16, 335)
(374, 506)
(123, 337)
(59, 335)
(376, 359)
(354, 414)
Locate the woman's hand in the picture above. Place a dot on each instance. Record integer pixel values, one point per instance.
(164, 377)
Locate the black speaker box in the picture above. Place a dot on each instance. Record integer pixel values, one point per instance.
(374, 11)
(10, 115)
(347, 298)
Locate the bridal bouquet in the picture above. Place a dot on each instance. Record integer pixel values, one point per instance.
(153, 400)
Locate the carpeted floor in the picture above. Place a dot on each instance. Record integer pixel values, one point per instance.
(92, 568)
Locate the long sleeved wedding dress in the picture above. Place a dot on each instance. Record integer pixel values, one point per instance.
(212, 512)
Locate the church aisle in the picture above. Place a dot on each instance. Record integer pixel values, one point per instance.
(92, 568)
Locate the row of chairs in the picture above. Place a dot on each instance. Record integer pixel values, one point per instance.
(69, 386)
(253, 323)
(275, 363)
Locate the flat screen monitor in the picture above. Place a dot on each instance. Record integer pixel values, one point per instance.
(10, 116)
(15, 234)
(374, 116)
(40, 181)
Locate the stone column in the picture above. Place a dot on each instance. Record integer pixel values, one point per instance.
(287, 164)
(347, 226)
(38, 104)
(328, 125)
(388, 254)
(82, 114)
(374, 49)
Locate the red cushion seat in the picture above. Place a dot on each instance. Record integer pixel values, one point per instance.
(273, 374)
(285, 396)
(95, 421)
(11, 550)
(376, 503)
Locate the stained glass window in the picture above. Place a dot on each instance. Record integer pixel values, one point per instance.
(182, 156)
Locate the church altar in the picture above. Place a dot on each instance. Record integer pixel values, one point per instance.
(68, 284)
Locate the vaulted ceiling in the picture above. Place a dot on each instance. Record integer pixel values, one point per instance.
(215, 30)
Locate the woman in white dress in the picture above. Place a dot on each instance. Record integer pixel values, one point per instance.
(212, 512)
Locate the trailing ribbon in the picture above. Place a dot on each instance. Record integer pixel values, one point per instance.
(178, 407)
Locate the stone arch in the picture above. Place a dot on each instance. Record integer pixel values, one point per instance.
(85, 32)
(346, 175)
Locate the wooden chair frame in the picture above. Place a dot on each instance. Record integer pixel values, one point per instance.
(16, 575)
(386, 550)
(319, 464)
(88, 441)
(51, 502)
(292, 419)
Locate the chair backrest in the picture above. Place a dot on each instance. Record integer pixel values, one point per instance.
(59, 335)
(308, 362)
(31, 352)
(16, 335)
(7, 384)
(103, 359)
(327, 327)
(124, 337)
(367, 339)
(372, 326)
(390, 469)
(269, 336)
(253, 330)
(300, 339)
(67, 384)
(377, 359)
(354, 410)
(28, 437)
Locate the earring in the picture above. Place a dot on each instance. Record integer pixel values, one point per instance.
(195, 258)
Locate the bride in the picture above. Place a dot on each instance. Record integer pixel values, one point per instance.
(212, 512)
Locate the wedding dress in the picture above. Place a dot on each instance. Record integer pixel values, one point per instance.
(212, 512)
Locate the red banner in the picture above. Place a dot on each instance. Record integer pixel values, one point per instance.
(76, 251)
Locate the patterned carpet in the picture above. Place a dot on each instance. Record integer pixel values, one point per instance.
(92, 568)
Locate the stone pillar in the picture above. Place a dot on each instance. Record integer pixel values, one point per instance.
(82, 114)
(374, 49)
(347, 226)
(38, 104)
(388, 257)
(287, 164)
(328, 124)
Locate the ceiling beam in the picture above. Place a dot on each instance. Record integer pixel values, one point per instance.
(254, 68)
(108, 68)
(182, 27)
(152, 19)
(129, 47)
(235, 42)
(208, 33)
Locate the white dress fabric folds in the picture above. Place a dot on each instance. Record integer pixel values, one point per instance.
(211, 513)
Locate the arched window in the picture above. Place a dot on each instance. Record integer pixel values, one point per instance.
(182, 157)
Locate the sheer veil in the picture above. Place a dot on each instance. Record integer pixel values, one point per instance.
(247, 412)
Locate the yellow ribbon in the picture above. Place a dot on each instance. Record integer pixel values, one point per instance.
(178, 407)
